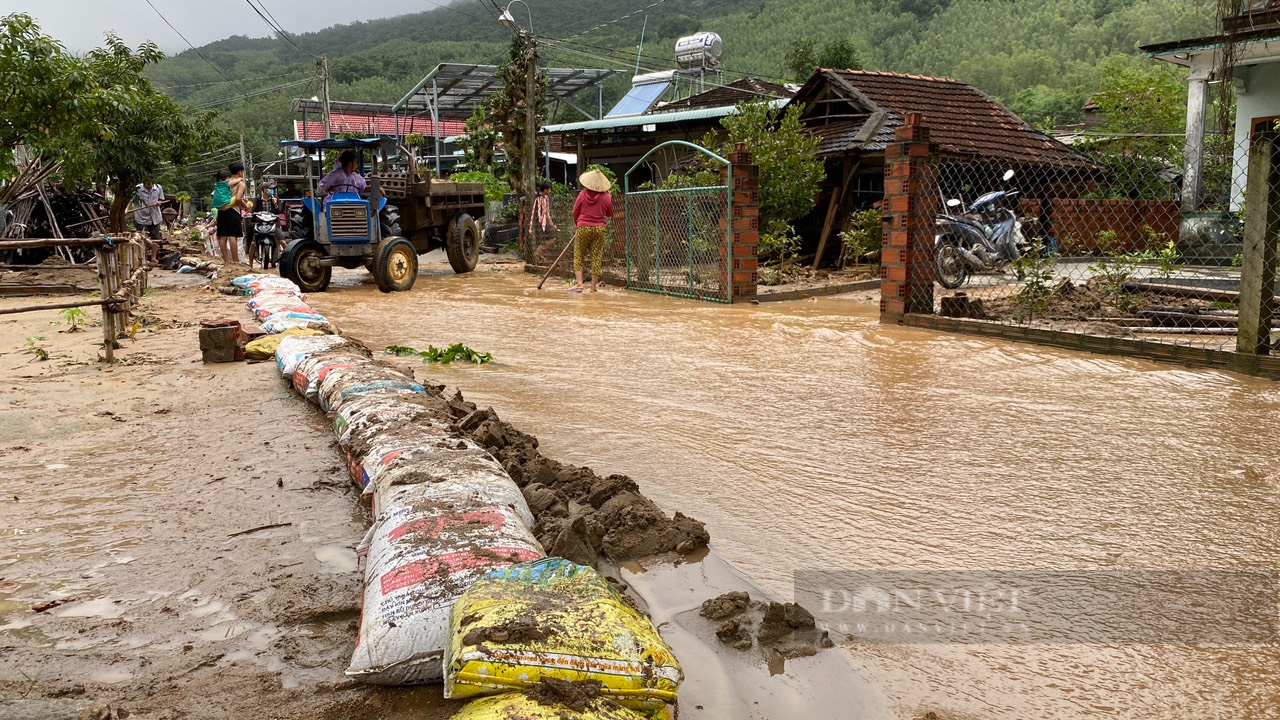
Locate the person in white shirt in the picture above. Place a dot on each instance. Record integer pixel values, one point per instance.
(147, 216)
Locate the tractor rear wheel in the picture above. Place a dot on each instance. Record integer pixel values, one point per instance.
(301, 263)
(463, 244)
(396, 265)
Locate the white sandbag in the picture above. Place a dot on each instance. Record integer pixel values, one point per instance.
(451, 475)
(347, 383)
(423, 555)
(293, 350)
(282, 321)
(312, 370)
(373, 412)
(379, 449)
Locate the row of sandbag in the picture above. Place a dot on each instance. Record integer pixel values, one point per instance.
(278, 304)
(456, 586)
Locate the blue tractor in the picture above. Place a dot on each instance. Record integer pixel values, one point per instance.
(347, 231)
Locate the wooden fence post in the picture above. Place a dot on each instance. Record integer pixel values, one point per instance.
(1258, 267)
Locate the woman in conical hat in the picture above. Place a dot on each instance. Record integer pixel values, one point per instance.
(591, 211)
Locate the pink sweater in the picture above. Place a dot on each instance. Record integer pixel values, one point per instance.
(592, 209)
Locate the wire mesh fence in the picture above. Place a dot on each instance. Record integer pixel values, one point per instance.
(1113, 245)
(543, 245)
(678, 242)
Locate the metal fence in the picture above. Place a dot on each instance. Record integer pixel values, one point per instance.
(1107, 246)
(542, 247)
(678, 235)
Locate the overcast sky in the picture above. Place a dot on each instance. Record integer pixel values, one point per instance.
(81, 24)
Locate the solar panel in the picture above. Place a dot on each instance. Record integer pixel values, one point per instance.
(639, 100)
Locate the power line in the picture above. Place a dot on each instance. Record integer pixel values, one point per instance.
(450, 8)
(193, 47)
(264, 13)
(618, 20)
(223, 82)
(262, 91)
(733, 71)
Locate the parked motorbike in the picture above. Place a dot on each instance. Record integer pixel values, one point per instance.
(268, 237)
(984, 237)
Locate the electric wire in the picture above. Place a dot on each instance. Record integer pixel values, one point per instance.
(263, 13)
(618, 20)
(193, 47)
(223, 82)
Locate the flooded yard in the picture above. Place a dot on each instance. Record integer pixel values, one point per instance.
(810, 437)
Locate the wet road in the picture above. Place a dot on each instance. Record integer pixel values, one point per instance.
(810, 437)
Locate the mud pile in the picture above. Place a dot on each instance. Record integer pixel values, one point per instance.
(783, 628)
(579, 514)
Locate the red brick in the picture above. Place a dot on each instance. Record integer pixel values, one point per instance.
(895, 273)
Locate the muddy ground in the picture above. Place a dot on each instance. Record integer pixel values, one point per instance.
(130, 495)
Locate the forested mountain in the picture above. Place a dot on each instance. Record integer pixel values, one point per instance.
(1041, 57)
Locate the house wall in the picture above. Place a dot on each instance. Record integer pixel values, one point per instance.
(1261, 98)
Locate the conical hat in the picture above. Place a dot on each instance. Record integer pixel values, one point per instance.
(595, 180)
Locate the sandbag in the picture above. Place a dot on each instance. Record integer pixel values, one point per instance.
(493, 488)
(282, 321)
(422, 555)
(264, 348)
(374, 412)
(553, 618)
(312, 370)
(293, 350)
(337, 387)
(519, 706)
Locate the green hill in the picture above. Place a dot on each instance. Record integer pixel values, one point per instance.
(1040, 57)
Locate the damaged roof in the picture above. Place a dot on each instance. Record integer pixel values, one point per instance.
(859, 110)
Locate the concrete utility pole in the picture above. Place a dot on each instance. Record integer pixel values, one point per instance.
(530, 160)
(324, 91)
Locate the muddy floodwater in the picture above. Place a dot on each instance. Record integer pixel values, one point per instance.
(810, 437)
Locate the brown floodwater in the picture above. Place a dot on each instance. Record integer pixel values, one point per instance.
(810, 437)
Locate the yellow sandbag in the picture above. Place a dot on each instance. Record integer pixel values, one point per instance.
(264, 348)
(517, 706)
(551, 618)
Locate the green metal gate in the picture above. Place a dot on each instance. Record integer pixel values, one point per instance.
(679, 238)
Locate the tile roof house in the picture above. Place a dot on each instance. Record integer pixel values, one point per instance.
(858, 110)
(854, 113)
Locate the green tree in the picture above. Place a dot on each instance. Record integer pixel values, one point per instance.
(801, 58)
(839, 54)
(507, 106)
(134, 130)
(479, 143)
(786, 154)
(40, 89)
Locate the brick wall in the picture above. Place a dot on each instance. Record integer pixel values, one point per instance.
(1138, 224)
(906, 260)
(744, 236)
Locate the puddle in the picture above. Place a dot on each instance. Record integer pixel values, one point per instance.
(337, 559)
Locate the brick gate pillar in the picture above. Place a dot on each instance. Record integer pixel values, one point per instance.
(910, 204)
(743, 237)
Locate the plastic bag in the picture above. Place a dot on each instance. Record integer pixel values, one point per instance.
(375, 411)
(488, 487)
(422, 555)
(518, 706)
(553, 618)
(264, 348)
(293, 350)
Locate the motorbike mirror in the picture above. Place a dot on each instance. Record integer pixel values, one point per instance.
(1008, 175)
(953, 203)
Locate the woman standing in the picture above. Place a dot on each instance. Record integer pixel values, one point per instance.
(541, 227)
(230, 221)
(591, 210)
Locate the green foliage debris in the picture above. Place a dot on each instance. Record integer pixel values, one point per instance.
(433, 354)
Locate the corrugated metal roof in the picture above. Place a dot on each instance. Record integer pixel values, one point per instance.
(659, 118)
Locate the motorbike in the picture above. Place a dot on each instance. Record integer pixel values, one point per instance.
(984, 237)
(268, 237)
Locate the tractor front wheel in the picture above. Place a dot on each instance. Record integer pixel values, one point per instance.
(396, 266)
(301, 263)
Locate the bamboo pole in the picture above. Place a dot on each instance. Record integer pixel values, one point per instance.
(104, 280)
(56, 306)
(28, 243)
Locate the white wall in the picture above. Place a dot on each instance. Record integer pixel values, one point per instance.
(1261, 98)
